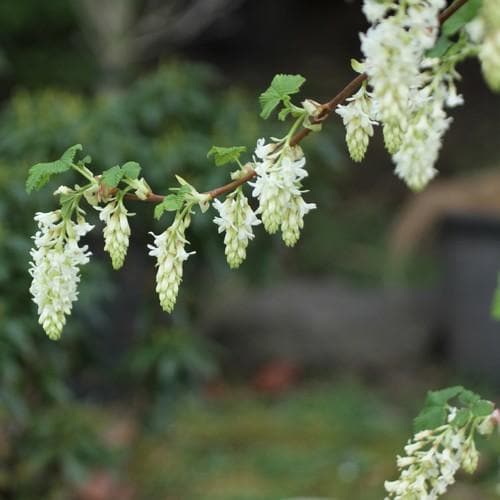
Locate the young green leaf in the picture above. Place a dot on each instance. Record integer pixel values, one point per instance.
(112, 176)
(482, 408)
(222, 155)
(41, 173)
(441, 48)
(441, 397)
(283, 114)
(468, 398)
(461, 418)
(495, 306)
(131, 169)
(171, 203)
(461, 17)
(357, 66)
(280, 89)
(430, 418)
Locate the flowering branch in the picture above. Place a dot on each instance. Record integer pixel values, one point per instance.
(324, 112)
(405, 83)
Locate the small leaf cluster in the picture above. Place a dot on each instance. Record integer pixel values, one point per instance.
(222, 156)
(173, 202)
(447, 43)
(41, 173)
(279, 92)
(112, 176)
(469, 405)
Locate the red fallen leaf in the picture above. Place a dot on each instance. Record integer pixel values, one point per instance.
(276, 376)
(215, 389)
(101, 485)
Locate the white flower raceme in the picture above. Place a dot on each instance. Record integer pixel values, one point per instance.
(278, 188)
(489, 49)
(54, 268)
(168, 248)
(293, 220)
(394, 49)
(428, 122)
(375, 10)
(116, 231)
(422, 142)
(432, 459)
(236, 219)
(392, 67)
(357, 117)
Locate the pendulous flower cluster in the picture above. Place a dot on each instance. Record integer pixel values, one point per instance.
(116, 231)
(485, 30)
(170, 253)
(410, 91)
(433, 457)
(280, 170)
(236, 219)
(357, 116)
(55, 268)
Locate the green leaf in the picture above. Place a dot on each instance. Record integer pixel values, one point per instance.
(222, 155)
(461, 17)
(357, 66)
(469, 398)
(482, 408)
(131, 169)
(441, 397)
(283, 114)
(442, 46)
(41, 173)
(112, 176)
(430, 418)
(461, 418)
(171, 203)
(280, 89)
(495, 306)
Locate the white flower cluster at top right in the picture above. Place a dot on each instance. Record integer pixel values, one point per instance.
(409, 92)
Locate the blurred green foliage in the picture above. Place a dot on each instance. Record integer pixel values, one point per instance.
(166, 122)
(337, 440)
(118, 343)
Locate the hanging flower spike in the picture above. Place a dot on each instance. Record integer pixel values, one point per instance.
(267, 186)
(54, 268)
(278, 189)
(293, 221)
(116, 231)
(416, 158)
(489, 50)
(432, 459)
(168, 248)
(394, 49)
(375, 10)
(357, 117)
(236, 219)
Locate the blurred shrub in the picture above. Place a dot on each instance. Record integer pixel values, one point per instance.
(53, 455)
(167, 122)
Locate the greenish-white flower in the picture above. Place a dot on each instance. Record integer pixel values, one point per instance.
(116, 230)
(278, 187)
(357, 116)
(293, 219)
(489, 55)
(433, 457)
(236, 219)
(170, 253)
(55, 268)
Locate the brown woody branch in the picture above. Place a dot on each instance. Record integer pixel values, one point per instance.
(326, 109)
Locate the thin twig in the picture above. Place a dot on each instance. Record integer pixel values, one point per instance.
(327, 108)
